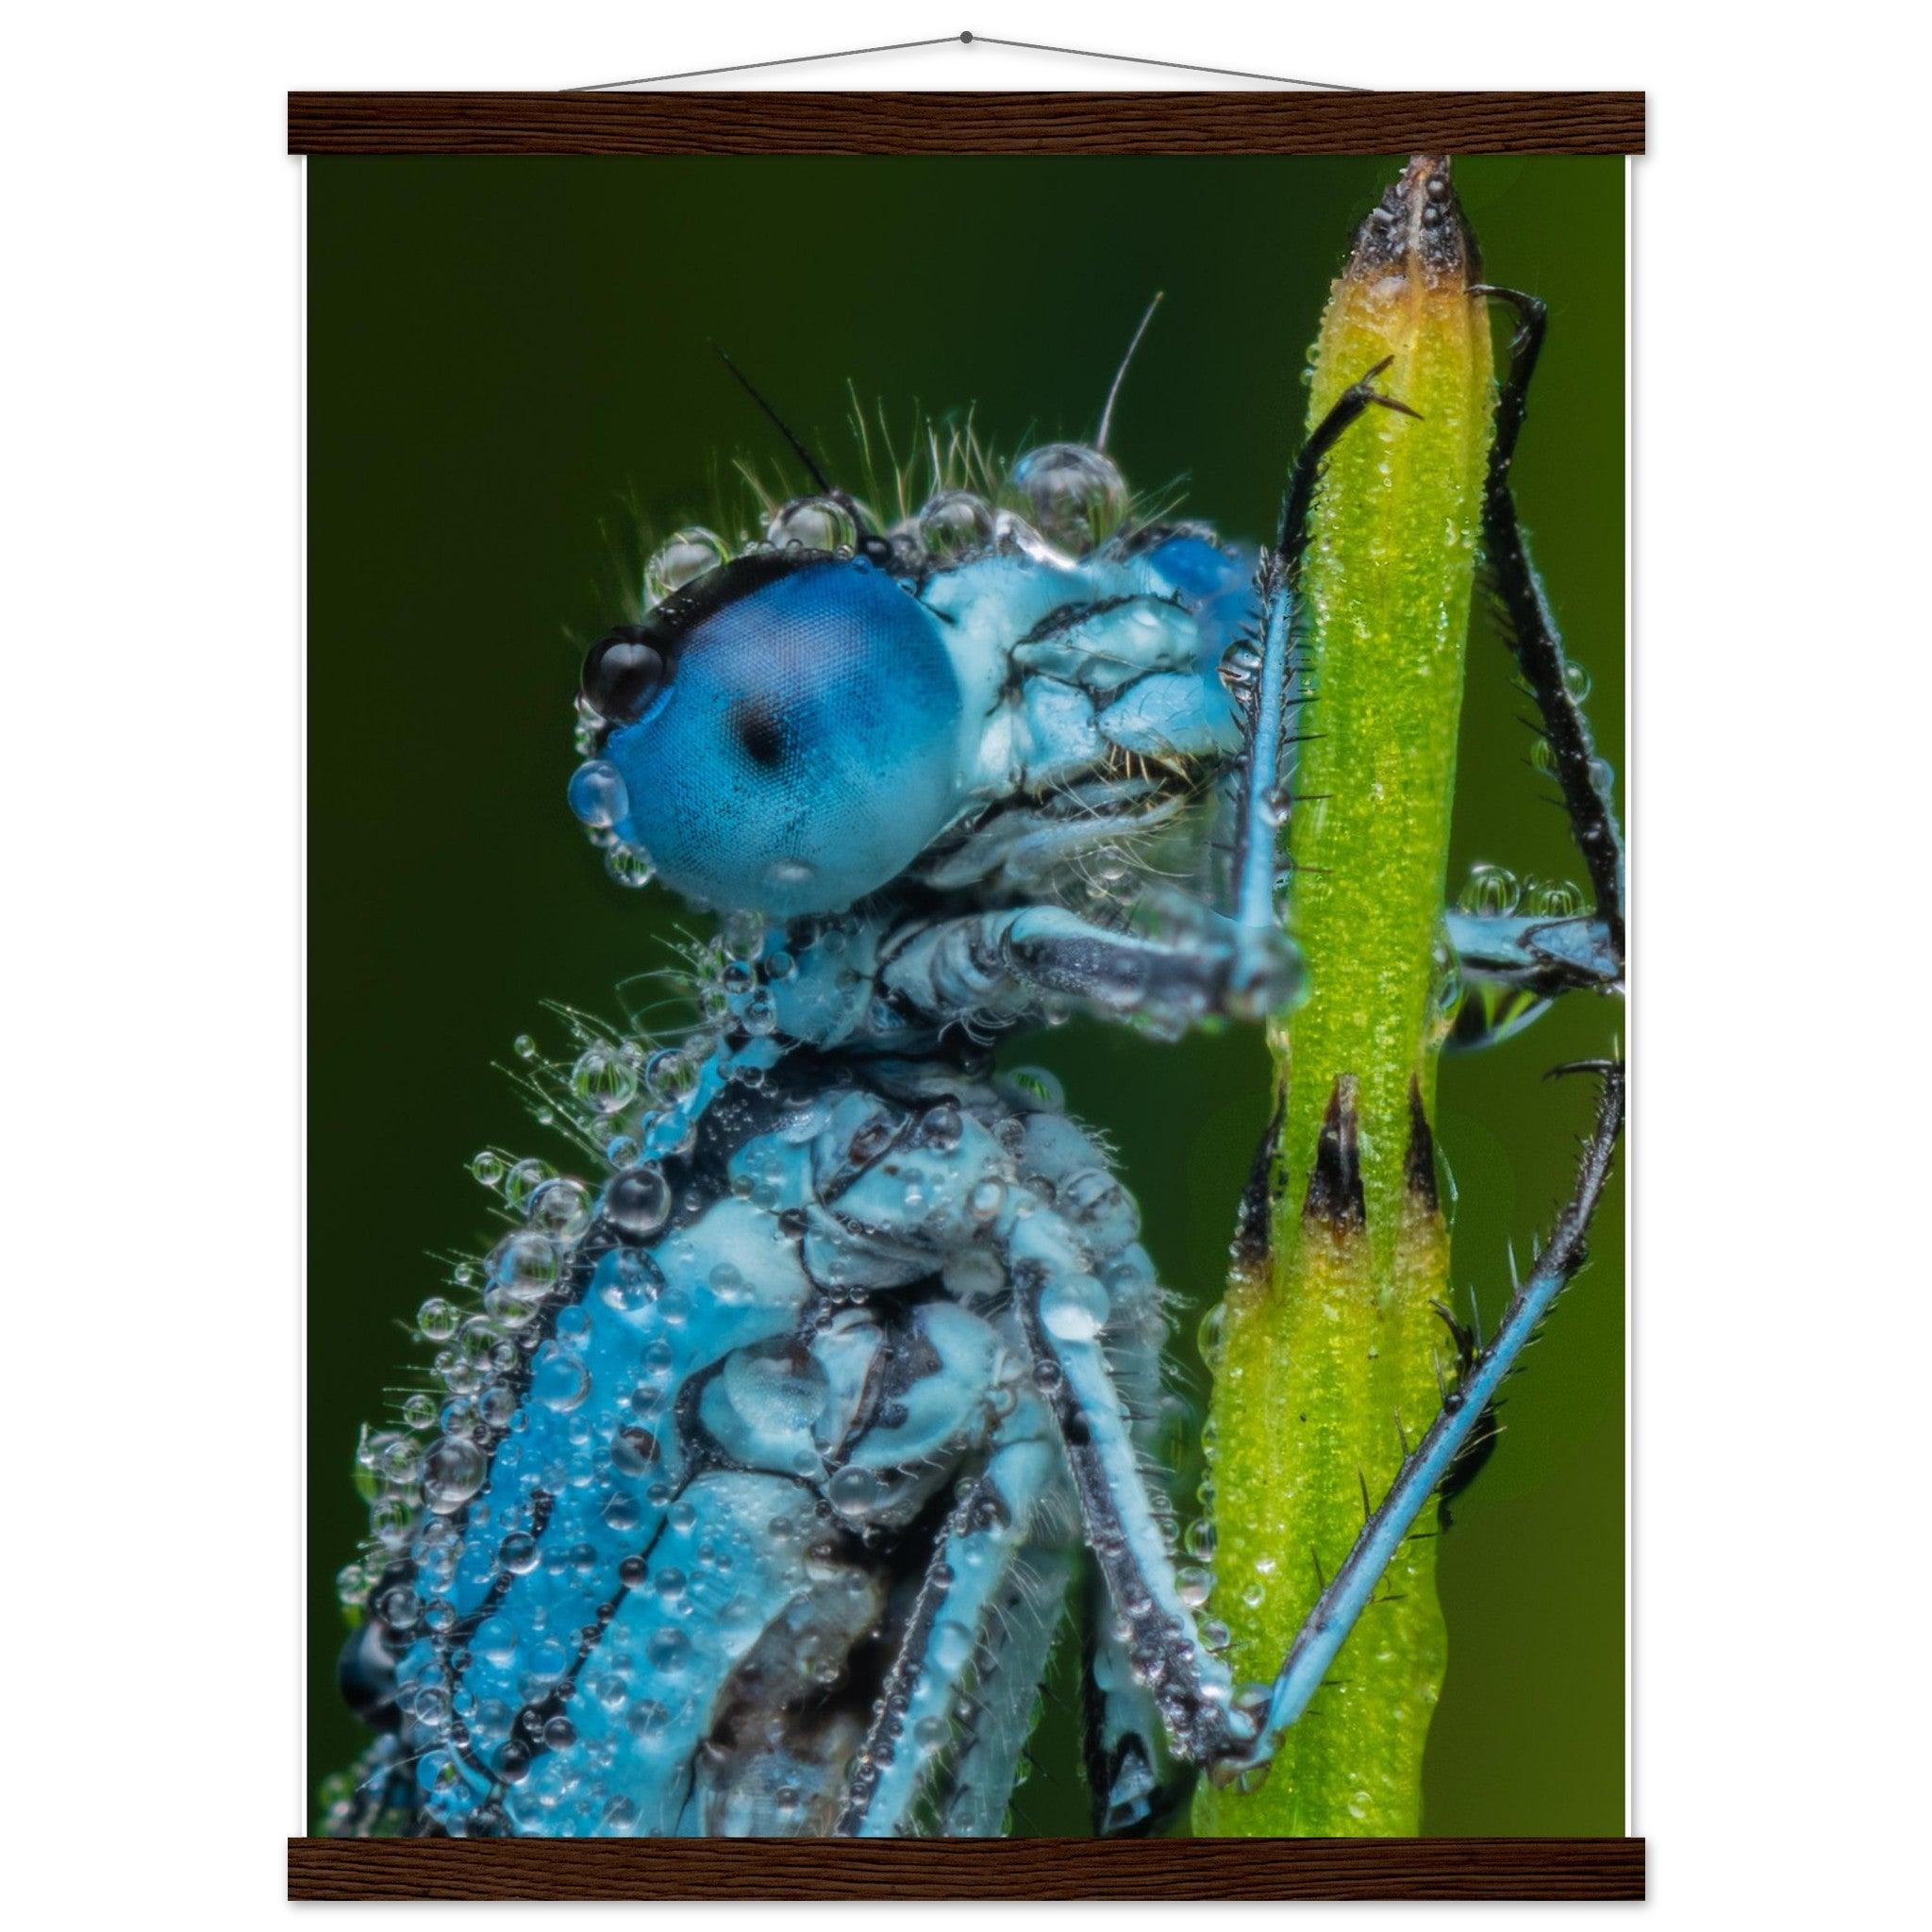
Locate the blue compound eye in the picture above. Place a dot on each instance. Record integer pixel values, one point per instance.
(783, 735)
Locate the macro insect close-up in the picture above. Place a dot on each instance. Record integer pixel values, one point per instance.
(817, 1441)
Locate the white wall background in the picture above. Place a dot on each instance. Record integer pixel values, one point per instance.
(150, 749)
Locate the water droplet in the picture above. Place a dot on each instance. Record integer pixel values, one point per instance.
(632, 1452)
(728, 1286)
(952, 1646)
(667, 1651)
(391, 1521)
(524, 1264)
(852, 1491)
(811, 522)
(1035, 1090)
(452, 1473)
(639, 1202)
(1211, 1337)
(986, 1200)
(596, 794)
(438, 1318)
(561, 1210)
(1074, 1308)
(954, 525)
(401, 1607)
(1491, 891)
(1095, 1198)
(670, 1074)
(605, 1078)
(630, 866)
(518, 1553)
(524, 1179)
(562, 1382)
(688, 555)
(1074, 495)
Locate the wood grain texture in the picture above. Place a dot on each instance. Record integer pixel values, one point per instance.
(1440, 1868)
(964, 123)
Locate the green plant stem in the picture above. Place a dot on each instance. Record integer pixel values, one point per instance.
(1330, 1347)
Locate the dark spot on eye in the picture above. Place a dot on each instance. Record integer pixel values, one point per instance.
(761, 731)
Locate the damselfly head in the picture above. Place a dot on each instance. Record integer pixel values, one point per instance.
(966, 670)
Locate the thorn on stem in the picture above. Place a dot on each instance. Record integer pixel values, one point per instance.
(1334, 1185)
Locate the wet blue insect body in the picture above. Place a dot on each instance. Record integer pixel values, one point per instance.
(757, 1489)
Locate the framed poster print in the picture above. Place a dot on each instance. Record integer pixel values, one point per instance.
(1034, 603)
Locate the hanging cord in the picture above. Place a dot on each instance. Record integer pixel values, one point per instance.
(968, 40)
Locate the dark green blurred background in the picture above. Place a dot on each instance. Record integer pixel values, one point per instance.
(508, 372)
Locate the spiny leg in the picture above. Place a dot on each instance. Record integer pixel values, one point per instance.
(1062, 1311)
(1003, 967)
(1349, 1592)
(1131, 1788)
(1582, 777)
(972, 1562)
(1277, 584)
(1005, 1690)
(1133, 1784)
(1132, 1781)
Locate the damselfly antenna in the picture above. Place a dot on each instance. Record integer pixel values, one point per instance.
(778, 422)
(1120, 375)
